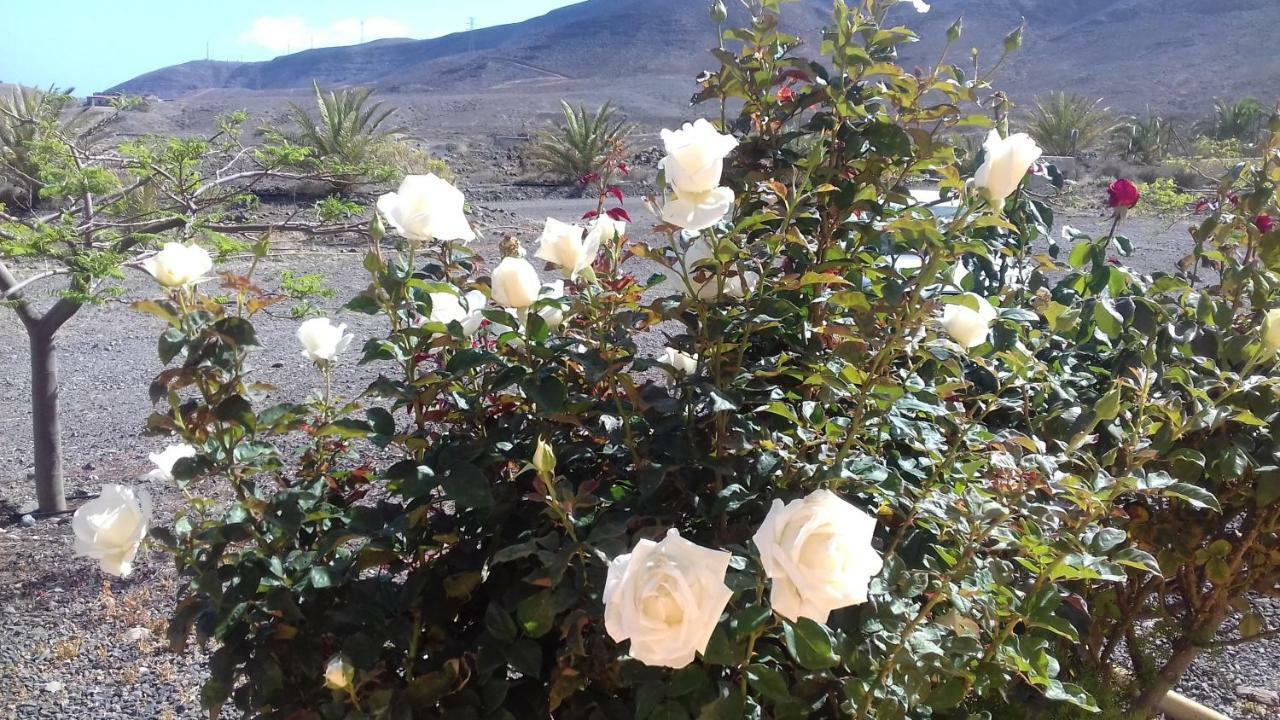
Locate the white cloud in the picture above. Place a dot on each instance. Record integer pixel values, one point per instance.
(293, 33)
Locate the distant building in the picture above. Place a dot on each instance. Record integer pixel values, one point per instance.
(102, 99)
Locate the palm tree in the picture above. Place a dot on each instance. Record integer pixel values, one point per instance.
(27, 116)
(347, 134)
(577, 148)
(1241, 120)
(1069, 125)
(1147, 139)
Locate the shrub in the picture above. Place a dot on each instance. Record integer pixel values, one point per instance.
(1163, 196)
(346, 137)
(1146, 139)
(1069, 125)
(847, 489)
(579, 147)
(1241, 120)
(35, 123)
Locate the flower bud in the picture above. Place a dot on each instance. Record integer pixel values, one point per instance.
(544, 459)
(377, 230)
(719, 13)
(1013, 41)
(1271, 330)
(956, 30)
(339, 673)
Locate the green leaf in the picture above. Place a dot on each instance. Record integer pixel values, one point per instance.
(536, 614)
(768, 682)
(466, 485)
(811, 644)
(1194, 495)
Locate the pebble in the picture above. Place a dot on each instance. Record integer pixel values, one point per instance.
(137, 634)
(28, 521)
(53, 686)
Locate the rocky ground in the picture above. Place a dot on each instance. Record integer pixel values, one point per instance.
(77, 645)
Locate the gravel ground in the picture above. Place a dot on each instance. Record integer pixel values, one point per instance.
(78, 645)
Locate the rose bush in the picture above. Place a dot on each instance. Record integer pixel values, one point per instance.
(851, 486)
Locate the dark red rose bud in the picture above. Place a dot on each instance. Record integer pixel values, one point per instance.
(1264, 223)
(1123, 195)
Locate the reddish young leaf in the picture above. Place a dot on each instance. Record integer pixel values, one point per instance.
(618, 214)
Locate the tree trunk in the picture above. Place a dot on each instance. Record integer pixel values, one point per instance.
(1184, 654)
(46, 429)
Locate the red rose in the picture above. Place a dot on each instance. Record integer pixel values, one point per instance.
(1264, 223)
(1123, 195)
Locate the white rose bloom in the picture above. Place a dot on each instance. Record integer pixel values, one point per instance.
(448, 307)
(969, 328)
(818, 553)
(178, 265)
(322, 340)
(338, 673)
(605, 229)
(681, 362)
(515, 283)
(110, 528)
(666, 598)
(698, 211)
(1006, 164)
(1271, 329)
(166, 459)
(552, 313)
(562, 244)
(427, 208)
(695, 157)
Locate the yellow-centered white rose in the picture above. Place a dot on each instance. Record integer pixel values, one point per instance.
(321, 340)
(1006, 164)
(562, 244)
(682, 362)
(111, 527)
(697, 211)
(605, 229)
(425, 208)
(515, 283)
(178, 265)
(1271, 330)
(166, 459)
(818, 554)
(666, 598)
(969, 328)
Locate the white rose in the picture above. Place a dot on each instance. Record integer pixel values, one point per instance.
(666, 598)
(515, 283)
(552, 313)
(562, 244)
(682, 363)
(178, 265)
(1271, 329)
(605, 229)
(969, 328)
(921, 6)
(449, 307)
(166, 459)
(1006, 164)
(698, 211)
(817, 551)
(427, 208)
(110, 528)
(322, 340)
(695, 157)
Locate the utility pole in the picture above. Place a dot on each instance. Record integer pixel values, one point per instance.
(362, 32)
(207, 54)
(471, 37)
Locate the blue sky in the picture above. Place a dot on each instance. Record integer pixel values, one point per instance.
(93, 45)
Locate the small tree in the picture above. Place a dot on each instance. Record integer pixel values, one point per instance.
(578, 147)
(23, 115)
(1145, 139)
(1241, 120)
(1069, 125)
(108, 209)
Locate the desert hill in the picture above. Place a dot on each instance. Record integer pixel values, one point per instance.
(1172, 55)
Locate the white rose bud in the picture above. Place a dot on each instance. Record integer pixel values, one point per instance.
(666, 598)
(695, 157)
(1006, 164)
(178, 265)
(166, 459)
(339, 673)
(449, 307)
(818, 553)
(969, 328)
(322, 340)
(427, 208)
(544, 458)
(698, 211)
(515, 283)
(552, 313)
(110, 528)
(681, 362)
(1271, 330)
(563, 245)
